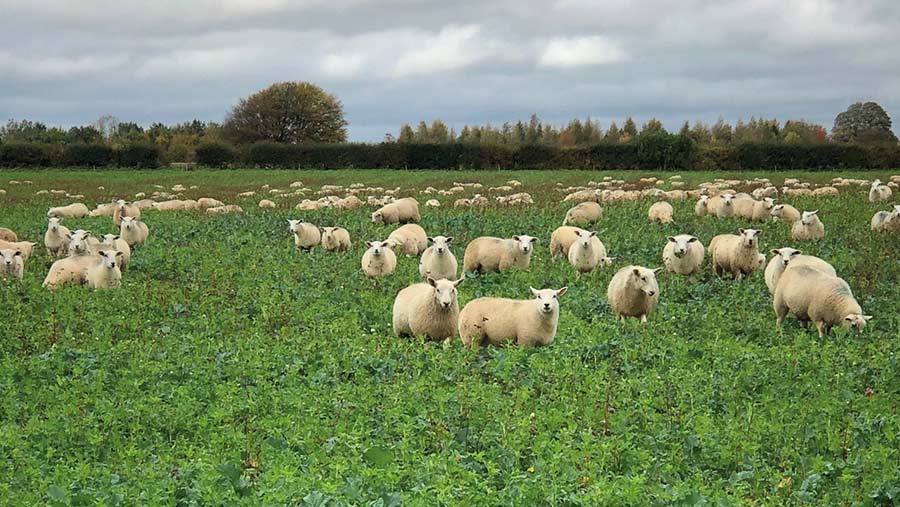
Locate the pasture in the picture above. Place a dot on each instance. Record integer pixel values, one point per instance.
(230, 369)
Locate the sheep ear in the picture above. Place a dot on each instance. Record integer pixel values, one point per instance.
(369, 244)
(449, 239)
(534, 240)
(69, 236)
(693, 239)
(115, 238)
(671, 239)
(431, 281)
(797, 252)
(867, 317)
(534, 292)
(593, 233)
(119, 254)
(656, 271)
(429, 239)
(561, 292)
(814, 212)
(461, 280)
(741, 231)
(775, 251)
(516, 238)
(636, 271)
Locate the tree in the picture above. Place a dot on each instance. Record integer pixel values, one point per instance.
(863, 122)
(613, 134)
(722, 132)
(422, 134)
(630, 129)
(653, 126)
(406, 134)
(87, 135)
(288, 112)
(107, 125)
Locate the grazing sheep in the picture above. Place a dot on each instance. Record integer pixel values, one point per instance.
(661, 212)
(791, 257)
(267, 204)
(428, 309)
(812, 295)
(785, 212)
(583, 214)
(75, 210)
(116, 244)
(411, 238)
(879, 192)
(8, 234)
(26, 247)
(497, 321)
(701, 209)
(486, 254)
(809, 227)
(887, 220)
(379, 260)
(133, 231)
(633, 292)
(588, 252)
(105, 273)
(70, 270)
(738, 255)
(561, 240)
(12, 263)
(433, 203)
(306, 235)
(123, 209)
(82, 242)
(335, 239)
(721, 205)
(438, 260)
(826, 192)
(762, 209)
(683, 254)
(401, 211)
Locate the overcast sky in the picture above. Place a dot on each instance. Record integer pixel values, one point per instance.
(464, 61)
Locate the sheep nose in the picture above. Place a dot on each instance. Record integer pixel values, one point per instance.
(652, 293)
(546, 306)
(445, 304)
(440, 250)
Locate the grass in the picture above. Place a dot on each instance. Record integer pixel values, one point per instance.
(231, 370)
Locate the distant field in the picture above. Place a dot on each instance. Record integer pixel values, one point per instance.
(231, 370)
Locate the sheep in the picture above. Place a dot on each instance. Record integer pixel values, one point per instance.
(116, 244)
(661, 212)
(221, 210)
(144, 204)
(497, 321)
(306, 235)
(785, 212)
(56, 239)
(879, 192)
(486, 254)
(438, 260)
(411, 237)
(762, 209)
(105, 273)
(75, 210)
(123, 209)
(809, 227)
(633, 292)
(701, 209)
(349, 202)
(583, 214)
(12, 263)
(379, 260)
(8, 234)
(205, 203)
(738, 255)
(721, 206)
(584, 195)
(133, 231)
(561, 240)
(429, 309)
(588, 252)
(70, 270)
(433, 203)
(26, 247)
(887, 220)
(683, 254)
(743, 206)
(104, 210)
(267, 204)
(401, 211)
(790, 257)
(812, 295)
(826, 192)
(335, 239)
(81, 242)
(177, 205)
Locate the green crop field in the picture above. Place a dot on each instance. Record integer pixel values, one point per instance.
(229, 369)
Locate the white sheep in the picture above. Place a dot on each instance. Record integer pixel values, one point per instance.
(812, 295)
(762, 209)
(701, 209)
(633, 292)
(433, 203)
(117, 244)
(104, 273)
(401, 211)
(104, 210)
(486, 254)
(70, 270)
(561, 240)
(204, 203)
(737, 255)
(335, 239)
(26, 247)
(661, 212)
(722, 205)
(583, 214)
(8, 235)
(123, 209)
(785, 212)
(588, 252)
(267, 204)
(497, 321)
(887, 220)
(683, 254)
(411, 238)
(134, 231)
(428, 309)
(879, 192)
(438, 260)
(74, 210)
(12, 263)
(306, 235)
(56, 239)
(791, 257)
(82, 242)
(809, 227)
(379, 260)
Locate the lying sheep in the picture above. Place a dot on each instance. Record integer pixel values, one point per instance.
(26, 247)
(438, 260)
(633, 292)
(267, 204)
(306, 235)
(791, 257)
(812, 295)
(879, 192)
(104, 210)
(809, 227)
(561, 240)
(8, 234)
(583, 214)
(497, 321)
(335, 239)
(205, 203)
(743, 206)
(12, 264)
(701, 209)
(683, 254)
(887, 220)
(762, 209)
(70, 270)
(486, 254)
(75, 210)
(401, 211)
(428, 309)
(123, 209)
(588, 252)
(116, 244)
(411, 238)
(221, 210)
(785, 212)
(105, 273)
(379, 260)
(133, 231)
(738, 255)
(433, 203)
(349, 202)
(82, 242)
(721, 206)
(144, 204)
(661, 212)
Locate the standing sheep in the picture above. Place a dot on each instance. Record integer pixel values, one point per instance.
(661, 212)
(633, 292)
(588, 252)
(812, 295)
(306, 235)
(105, 272)
(379, 260)
(683, 254)
(785, 212)
(12, 263)
(428, 309)
(8, 235)
(809, 227)
(738, 255)
(57, 237)
(401, 211)
(133, 231)
(75, 210)
(438, 260)
(486, 254)
(496, 321)
(411, 238)
(123, 209)
(583, 214)
(561, 240)
(335, 239)
(701, 209)
(879, 192)
(790, 257)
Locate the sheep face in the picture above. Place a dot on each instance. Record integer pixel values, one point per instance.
(444, 291)
(53, 224)
(727, 200)
(128, 223)
(645, 280)
(807, 217)
(525, 243)
(378, 247)
(855, 321)
(294, 226)
(78, 242)
(777, 210)
(704, 200)
(441, 244)
(109, 259)
(749, 237)
(110, 239)
(584, 239)
(377, 217)
(786, 254)
(682, 243)
(9, 259)
(547, 300)
(768, 203)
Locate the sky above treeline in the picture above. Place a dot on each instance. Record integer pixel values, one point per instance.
(466, 62)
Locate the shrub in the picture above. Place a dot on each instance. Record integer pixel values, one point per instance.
(216, 155)
(26, 155)
(139, 155)
(87, 155)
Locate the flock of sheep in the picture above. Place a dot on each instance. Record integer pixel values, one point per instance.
(806, 286)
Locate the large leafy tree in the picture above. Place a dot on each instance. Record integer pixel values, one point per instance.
(863, 122)
(289, 112)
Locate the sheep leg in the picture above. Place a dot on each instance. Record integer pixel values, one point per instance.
(644, 319)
